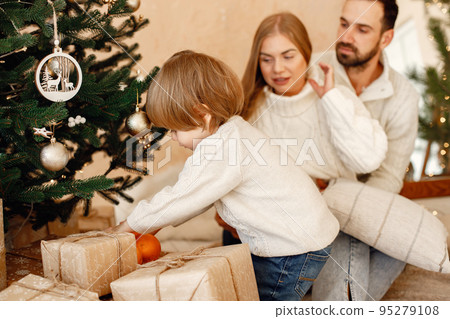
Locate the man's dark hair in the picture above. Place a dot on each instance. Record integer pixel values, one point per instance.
(390, 14)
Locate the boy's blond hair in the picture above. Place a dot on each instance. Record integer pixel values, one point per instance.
(189, 85)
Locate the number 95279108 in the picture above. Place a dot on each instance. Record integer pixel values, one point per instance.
(408, 310)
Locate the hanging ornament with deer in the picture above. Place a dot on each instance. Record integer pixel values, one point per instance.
(58, 75)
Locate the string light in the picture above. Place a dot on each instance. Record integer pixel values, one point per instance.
(435, 213)
(444, 8)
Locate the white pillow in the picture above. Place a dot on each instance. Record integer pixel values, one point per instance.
(391, 223)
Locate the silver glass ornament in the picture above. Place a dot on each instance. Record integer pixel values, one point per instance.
(54, 156)
(133, 4)
(137, 122)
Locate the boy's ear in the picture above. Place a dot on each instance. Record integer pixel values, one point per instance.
(207, 120)
(204, 111)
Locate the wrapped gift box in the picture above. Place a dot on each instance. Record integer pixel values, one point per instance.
(2, 268)
(21, 233)
(221, 273)
(36, 288)
(90, 260)
(2, 250)
(99, 218)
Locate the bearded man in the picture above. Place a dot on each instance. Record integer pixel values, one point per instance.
(357, 271)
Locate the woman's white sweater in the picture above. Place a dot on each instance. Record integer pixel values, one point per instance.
(330, 137)
(256, 188)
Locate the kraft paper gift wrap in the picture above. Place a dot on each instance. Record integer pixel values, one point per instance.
(2, 267)
(21, 233)
(2, 251)
(37, 288)
(90, 260)
(390, 223)
(221, 273)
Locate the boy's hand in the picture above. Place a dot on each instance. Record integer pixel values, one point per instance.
(328, 82)
(225, 226)
(123, 227)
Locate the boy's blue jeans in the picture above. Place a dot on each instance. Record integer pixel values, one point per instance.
(288, 277)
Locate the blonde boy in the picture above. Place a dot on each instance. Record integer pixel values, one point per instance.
(255, 187)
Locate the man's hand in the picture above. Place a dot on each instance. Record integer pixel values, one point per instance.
(225, 226)
(328, 82)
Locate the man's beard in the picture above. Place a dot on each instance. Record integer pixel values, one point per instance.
(357, 60)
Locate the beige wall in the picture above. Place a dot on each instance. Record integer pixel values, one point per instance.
(225, 28)
(414, 10)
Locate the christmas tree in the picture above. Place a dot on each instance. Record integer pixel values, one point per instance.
(37, 181)
(434, 123)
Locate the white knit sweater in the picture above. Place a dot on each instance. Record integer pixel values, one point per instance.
(256, 188)
(392, 100)
(336, 136)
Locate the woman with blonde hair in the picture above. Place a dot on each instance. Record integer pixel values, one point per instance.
(325, 129)
(253, 81)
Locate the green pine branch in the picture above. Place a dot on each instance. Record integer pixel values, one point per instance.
(24, 183)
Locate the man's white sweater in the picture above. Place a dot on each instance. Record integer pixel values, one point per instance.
(392, 100)
(256, 188)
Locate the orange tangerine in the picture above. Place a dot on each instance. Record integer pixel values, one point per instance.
(149, 247)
